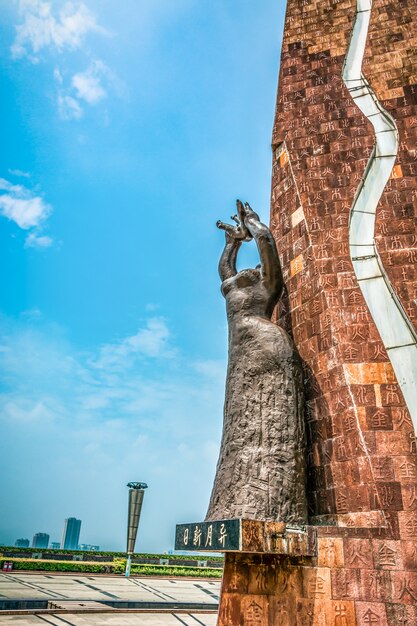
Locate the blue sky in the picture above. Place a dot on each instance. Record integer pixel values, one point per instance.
(127, 130)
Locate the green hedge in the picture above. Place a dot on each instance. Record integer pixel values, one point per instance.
(174, 570)
(59, 566)
(116, 567)
(142, 555)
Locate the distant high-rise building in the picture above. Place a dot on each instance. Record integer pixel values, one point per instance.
(22, 543)
(88, 547)
(55, 545)
(71, 534)
(40, 540)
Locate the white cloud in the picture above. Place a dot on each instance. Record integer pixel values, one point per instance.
(22, 206)
(38, 241)
(150, 341)
(26, 209)
(69, 108)
(88, 85)
(41, 28)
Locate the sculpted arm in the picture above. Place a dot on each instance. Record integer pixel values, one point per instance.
(234, 237)
(227, 263)
(271, 266)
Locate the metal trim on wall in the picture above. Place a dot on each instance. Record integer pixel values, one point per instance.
(395, 328)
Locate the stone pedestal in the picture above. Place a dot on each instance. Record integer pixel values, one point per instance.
(260, 590)
(265, 566)
(312, 576)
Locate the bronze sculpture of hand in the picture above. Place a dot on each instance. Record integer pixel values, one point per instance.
(249, 215)
(239, 232)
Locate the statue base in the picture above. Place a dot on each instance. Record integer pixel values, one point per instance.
(258, 556)
(355, 572)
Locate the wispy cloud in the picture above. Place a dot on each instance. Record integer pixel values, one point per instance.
(85, 88)
(19, 173)
(88, 85)
(69, 108)
(46, 27)
(26, 209)
(38, 241)
(43, 27)
(152, 340)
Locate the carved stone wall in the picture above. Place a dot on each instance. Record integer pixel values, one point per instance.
(362, 453)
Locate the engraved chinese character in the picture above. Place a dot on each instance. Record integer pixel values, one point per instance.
(386, 495)
(404, 418)
(223, 535)
(406, 588)
(341, 502)
(261, 579)
(383, 468)
(197, 536)
(209, 537)
(379, 420)
(411, 526)
(371, 618)
(412, 497)
(316, 587)
(340, 615)
(407, 470)
(386, 556)
(392, 394)
(254, 614)
(357, 555)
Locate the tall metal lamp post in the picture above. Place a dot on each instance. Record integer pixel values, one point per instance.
(136, 493)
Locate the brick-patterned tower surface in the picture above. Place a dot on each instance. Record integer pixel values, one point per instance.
(355, 329)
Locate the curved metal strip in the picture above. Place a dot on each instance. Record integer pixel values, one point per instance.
(394, 327)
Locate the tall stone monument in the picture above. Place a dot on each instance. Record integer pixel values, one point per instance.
(343, 215)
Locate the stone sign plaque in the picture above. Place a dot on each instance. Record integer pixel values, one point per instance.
(218, 536)
(242, 535)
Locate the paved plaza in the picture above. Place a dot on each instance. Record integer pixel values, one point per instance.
(119, 619)
(70, 592)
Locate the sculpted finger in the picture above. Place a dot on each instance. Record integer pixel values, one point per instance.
(249, 212)
(230, 230)
(240, 210)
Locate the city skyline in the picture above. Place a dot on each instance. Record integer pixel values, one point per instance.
(73, 538)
